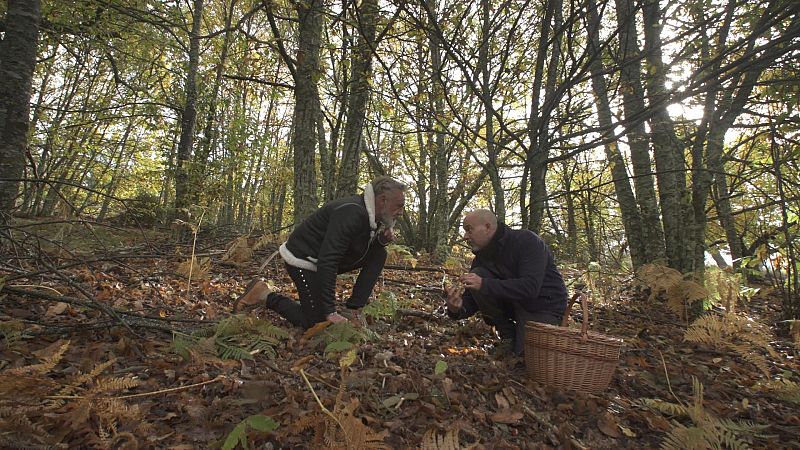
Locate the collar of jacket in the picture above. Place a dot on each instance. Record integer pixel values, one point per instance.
(369, 202)
(495, 244)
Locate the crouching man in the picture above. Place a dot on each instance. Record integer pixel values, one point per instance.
(513, 280)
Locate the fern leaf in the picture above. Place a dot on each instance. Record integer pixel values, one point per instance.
(785, 390)
(658, 278)
(228, 351)
(115, 384)
(46, 366)
(671, 409)
(432, 440)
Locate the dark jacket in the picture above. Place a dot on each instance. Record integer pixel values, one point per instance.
(525, 272)
(333, 240)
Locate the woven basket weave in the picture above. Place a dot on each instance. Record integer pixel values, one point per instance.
(568, 358)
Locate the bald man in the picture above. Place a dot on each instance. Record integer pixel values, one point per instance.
(513, 280)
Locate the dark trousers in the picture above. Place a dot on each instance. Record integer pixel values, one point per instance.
(506, 316)
(308, 312)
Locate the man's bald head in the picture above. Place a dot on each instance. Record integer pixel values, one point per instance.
(479, 228)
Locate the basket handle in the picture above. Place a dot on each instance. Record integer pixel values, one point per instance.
(565, 317)
(584, 307)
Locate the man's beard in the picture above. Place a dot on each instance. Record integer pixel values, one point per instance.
(387, 220)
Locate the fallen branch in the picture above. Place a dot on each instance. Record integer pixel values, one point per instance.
(415, 269)
(124, 318)
(421, 314)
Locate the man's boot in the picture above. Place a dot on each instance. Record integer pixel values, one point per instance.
(254, 294)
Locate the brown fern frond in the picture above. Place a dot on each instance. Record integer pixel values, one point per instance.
(782, 389)
(15, 442)
(314, 420)
(339, 403)
(728, 289)
(658, 278)
(357, 435)
(735, 333)
(683, 294)
(432, 440)
(42, 368)
(85, 378)
(114, 384)
(20, 424)
(238, 251)
(745, 351)
(668, 408)
(686, 438)
(78, 412)
(112, 409)
(16, 387)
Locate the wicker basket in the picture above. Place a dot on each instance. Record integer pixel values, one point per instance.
(568, 358)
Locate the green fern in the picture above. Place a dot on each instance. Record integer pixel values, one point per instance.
(385, 306)
(237, 337)
(239, 434)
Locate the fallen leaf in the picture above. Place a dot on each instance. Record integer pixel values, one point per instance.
(508, 416)
(607, 423)
(56, 309)
(502, 402)
(315, 330)
(658, 423)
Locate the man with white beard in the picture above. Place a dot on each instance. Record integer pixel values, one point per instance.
(343, 235)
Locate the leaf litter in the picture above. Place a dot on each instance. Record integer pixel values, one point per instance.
(74, 378)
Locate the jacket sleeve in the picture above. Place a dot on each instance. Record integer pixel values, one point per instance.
(345, 223)
(533, 260)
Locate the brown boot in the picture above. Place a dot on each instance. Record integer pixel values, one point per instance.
(256, 292)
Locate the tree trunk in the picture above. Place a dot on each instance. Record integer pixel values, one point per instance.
(536, 161)
(189, 114)
(304, 132)
(17, 61)
(198, 169)
(358, 97)
(486, 96)
(631, 220)
(668, 151)
(634, 110)
(439, 197)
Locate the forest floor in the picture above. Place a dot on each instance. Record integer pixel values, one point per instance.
(73, 376)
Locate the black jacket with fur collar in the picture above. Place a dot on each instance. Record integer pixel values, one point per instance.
(335, 239)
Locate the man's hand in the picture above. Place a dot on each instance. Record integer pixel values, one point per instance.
(335, 318)
(454, 300)
(471, 281)
(386, 236)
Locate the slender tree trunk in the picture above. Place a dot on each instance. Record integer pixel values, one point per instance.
(198, 169)
(304, 133)
(631, 219)
(358, 97)
(189, 113)
(439, 169)
(17, 61)
(633, 106)
(486, 96)
(116, 170)
(668, 150)
(536, 161)
(421, 236)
